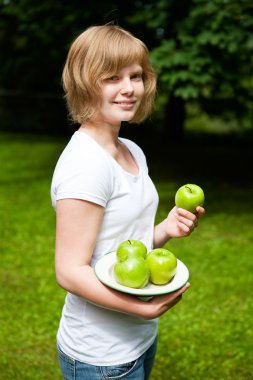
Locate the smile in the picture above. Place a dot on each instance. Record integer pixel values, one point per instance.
(126, 105)
(125, 102)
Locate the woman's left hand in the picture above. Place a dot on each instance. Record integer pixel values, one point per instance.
(180, 222)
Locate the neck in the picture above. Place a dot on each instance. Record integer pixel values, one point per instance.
(105, 135)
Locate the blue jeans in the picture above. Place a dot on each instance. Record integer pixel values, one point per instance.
(139, 369)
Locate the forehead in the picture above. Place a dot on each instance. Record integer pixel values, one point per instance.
(131, 68)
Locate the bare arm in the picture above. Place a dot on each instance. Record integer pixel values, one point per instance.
(178, 223)
(77, 226)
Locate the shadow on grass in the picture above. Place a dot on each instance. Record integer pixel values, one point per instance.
(219, 164)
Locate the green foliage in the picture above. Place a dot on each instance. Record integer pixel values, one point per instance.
(30, 32)
(208, 335)
(201, 50)
(207, 54)
(38, 35)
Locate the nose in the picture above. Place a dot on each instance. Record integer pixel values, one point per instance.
(127, 86)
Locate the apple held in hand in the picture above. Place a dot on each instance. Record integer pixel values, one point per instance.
(132, 272)
(131, 248)
(189, 197)
(162, 265)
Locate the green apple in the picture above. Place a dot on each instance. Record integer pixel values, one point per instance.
(132, 272)
(189, 197)
(162, 265)
(131, 248)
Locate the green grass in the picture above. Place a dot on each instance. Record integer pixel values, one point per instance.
(206, 336)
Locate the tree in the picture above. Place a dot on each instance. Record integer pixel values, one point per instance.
(35, 36)
(34, 40)
(203, 54)
(201, 49)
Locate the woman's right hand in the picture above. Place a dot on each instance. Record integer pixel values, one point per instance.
(158, 305)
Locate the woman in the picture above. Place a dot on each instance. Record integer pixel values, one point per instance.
(103, 196)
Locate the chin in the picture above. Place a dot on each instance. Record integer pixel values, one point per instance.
(129, 117)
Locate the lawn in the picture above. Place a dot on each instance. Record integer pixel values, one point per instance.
(208, 335)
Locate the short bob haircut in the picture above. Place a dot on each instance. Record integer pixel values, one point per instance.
(100, 52)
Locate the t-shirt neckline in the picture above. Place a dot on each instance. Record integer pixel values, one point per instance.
(111, 157)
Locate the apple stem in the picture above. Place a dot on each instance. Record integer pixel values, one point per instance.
(129, 241)
(189, 188)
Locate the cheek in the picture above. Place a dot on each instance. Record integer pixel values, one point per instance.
(109, 91)
(141, 90)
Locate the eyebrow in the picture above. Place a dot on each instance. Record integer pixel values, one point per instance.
(138, 71)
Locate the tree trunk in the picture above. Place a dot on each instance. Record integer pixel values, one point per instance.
(173, 128)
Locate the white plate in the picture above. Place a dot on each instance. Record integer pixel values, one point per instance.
(105, 273)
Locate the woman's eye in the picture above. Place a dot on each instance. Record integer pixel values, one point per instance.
(137, 76)
(113, 78)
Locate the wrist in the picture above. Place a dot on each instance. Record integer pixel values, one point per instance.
(161, 235)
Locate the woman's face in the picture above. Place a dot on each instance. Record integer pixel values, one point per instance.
(121, 95)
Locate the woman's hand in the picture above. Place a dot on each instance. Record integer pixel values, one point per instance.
(160, 304)
(179, 223)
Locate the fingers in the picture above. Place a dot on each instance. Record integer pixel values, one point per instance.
(178, 293)
(186, 214)
(187, 221)
(161, 304)
(177, 296)
(200, 211)
(174, 297)
(183, 289)
(174, 302)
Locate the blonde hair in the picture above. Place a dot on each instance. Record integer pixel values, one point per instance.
(98, 52)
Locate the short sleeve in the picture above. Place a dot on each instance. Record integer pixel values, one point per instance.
(87, 178)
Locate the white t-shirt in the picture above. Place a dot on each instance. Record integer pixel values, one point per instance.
(86, 171)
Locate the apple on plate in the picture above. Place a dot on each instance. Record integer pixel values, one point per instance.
(162, 266)
(189, 197)
(131, 248)
(133, 272)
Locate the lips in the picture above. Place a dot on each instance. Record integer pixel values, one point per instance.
(125, 104)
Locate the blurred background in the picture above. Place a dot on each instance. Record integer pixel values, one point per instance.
(201, 51)
(201, 131)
